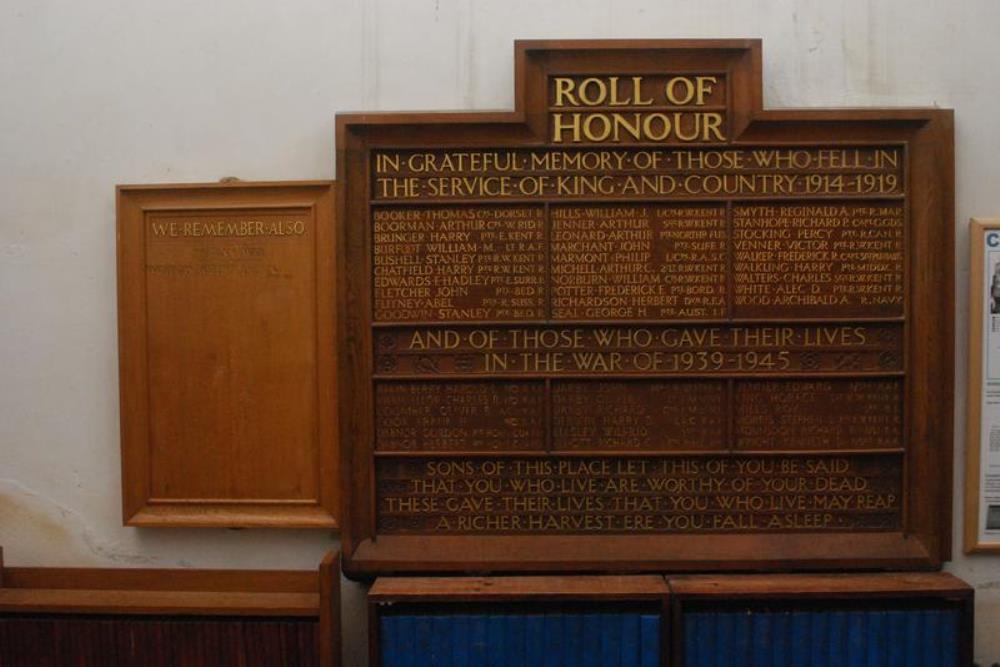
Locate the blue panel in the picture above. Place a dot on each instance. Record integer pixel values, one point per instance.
(761, 640)
(875, 640)
(630, 640)
(423, 627)
(554, 640)
(708, 632)
(461, 628)
(801, 639)
(389, 641)
(610, 639)
(856, 635)
(932, 637)
(724, 640)
(407, 645)
(478, 650)
(692, 631)
(949, 638)
(591, 641)
(837, 638)
(741, 638)
(781, 641)
(649, 640)
(496, 646)
(617, 638)
(440, 641)
(914, 655)
(859, 638)
(820, 637)
(516, 631)
(572, 652)
(896, 638)
(534, 649)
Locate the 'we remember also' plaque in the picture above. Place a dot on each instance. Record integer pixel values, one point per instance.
(641, 323)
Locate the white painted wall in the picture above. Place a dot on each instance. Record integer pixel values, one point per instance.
(142, 91)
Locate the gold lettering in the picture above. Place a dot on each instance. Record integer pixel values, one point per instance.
(559, 127)
(564, 92)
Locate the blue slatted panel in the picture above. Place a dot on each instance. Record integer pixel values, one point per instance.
(860, 638)
(609, 639)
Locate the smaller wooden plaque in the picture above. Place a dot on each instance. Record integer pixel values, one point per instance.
(226, 338)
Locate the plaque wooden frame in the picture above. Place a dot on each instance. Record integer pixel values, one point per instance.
(207, 448)
(925, 136)
(974, 397)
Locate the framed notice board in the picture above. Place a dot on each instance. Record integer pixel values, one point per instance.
(226, 325)
(641, 323)
(982, 481)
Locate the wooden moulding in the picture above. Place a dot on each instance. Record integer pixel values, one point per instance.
(495, 589)
(820, 586)
(77, 593)
(226, 335)
(407, 509)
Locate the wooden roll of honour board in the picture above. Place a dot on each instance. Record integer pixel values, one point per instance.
(641, 323)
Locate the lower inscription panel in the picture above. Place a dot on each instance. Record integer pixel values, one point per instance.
(664, 415)
(680, 494)
(456, 416)
(819, 413)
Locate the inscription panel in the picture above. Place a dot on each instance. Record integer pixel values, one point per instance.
(819, 414)
(635, 495)
(469, 263)
(459, 416)
(672, 109)
(638, 262)
(651, 416)
(629, 173)
(653, 350)
(832, 259)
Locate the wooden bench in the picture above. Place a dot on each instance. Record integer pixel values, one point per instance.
(148, 617)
